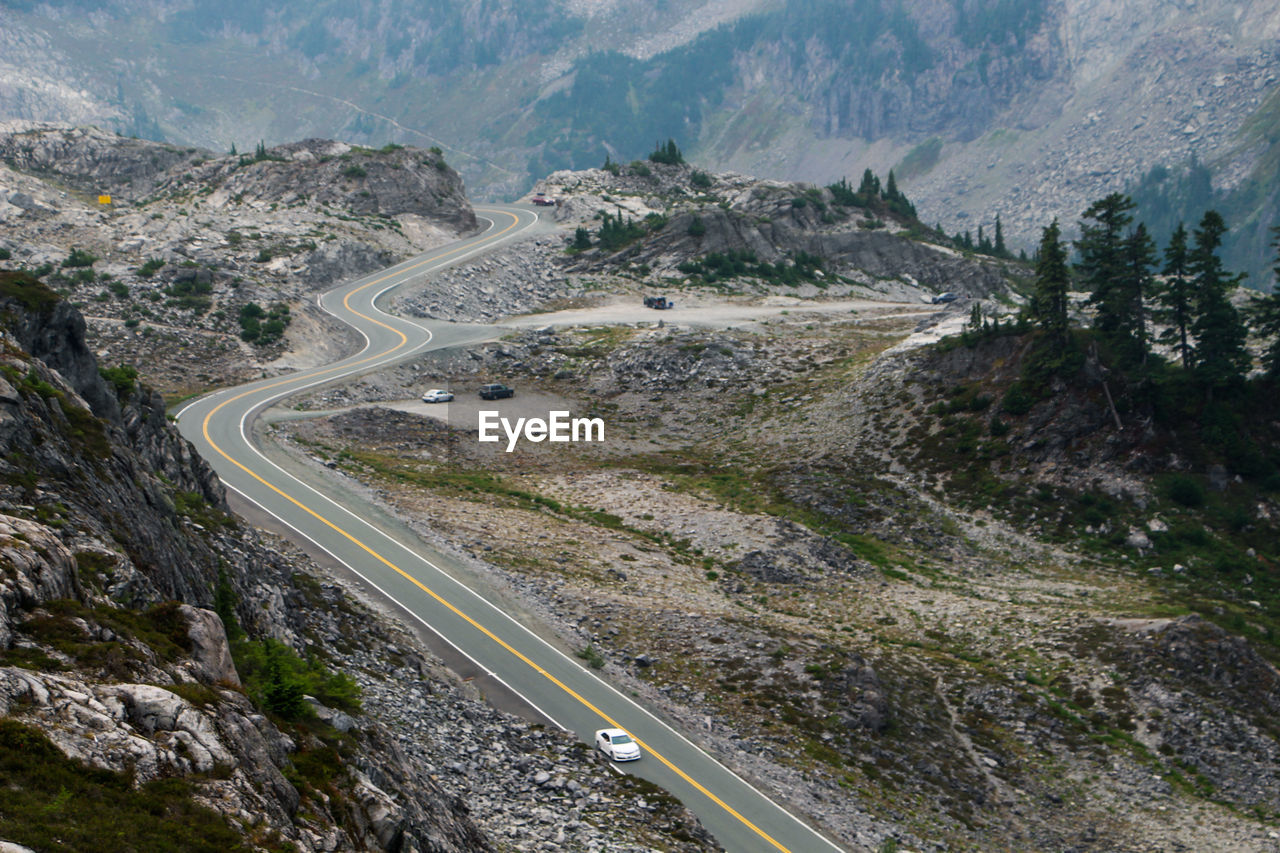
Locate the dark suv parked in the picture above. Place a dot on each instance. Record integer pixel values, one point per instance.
(495, 391)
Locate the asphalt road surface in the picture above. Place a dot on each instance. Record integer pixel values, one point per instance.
(422, 582)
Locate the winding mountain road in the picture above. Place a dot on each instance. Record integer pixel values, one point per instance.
(420, 581)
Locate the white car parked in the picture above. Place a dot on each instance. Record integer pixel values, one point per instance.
(617, 744)
(436, 395)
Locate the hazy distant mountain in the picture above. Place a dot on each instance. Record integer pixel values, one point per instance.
(1027, 108)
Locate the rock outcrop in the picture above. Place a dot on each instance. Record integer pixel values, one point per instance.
(115, 543)
(774, 221)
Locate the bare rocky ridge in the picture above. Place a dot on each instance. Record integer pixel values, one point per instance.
(219, 232)
(105, 520)
(771, 219)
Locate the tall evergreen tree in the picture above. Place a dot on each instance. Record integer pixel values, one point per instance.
(870, 186)
(1140, 260)
(1266, 316)
(1221, 357)
(1176, 295)
(668, 153)
(1000, 248)
(891, 187)
(1053, 282)
(1102, 264)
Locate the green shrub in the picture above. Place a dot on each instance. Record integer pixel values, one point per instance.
(79, 258)
(49, 802)
(150, 267)
(262, 326)
(122, 377)
(355, 170)
(615, 232)
(697, 227)
(592, 656)
(1184, 490)
(277, 677)
(700, 179)
(1016, 400)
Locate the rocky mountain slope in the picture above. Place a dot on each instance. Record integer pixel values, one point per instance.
(154, 655)
(190, 238)
(1029, 110)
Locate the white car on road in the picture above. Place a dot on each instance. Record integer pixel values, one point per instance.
(617, 744)
(436, 395)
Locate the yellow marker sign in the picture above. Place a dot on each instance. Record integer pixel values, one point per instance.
(104, 199)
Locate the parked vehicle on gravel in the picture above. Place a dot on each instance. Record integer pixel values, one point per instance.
(437, 395)
(659, 302)
(495, 391)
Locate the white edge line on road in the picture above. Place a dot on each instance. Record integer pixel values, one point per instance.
(320, 304)
(479, 598)
(394, 601)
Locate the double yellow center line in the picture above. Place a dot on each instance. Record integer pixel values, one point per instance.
(346, 302)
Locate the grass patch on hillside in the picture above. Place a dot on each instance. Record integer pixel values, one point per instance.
(51, 803)
(161, 628)
(28, 291)
(755, 491)
(192, 505)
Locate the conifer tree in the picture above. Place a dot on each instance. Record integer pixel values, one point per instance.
(869, 189)
(1266, 316)
(1176, 295)
(668, 153)
(1140, 261)
(1221, 357)
(1104, 269)
(1001, 250)
(1101, 264)
(1053, 282)
(891, 187)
